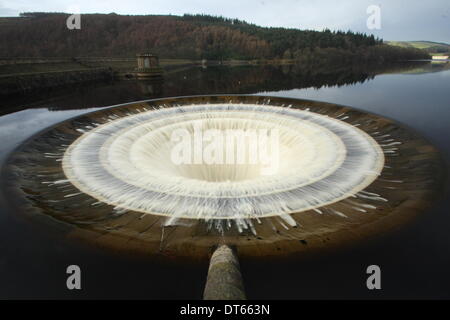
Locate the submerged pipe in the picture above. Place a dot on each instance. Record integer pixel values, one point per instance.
(224, 280)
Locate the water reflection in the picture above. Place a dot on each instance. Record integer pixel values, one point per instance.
(211, 80)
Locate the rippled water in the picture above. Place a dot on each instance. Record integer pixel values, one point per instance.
(414, 259)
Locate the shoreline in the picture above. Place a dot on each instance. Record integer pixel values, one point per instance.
(27, 75)
(23, 76)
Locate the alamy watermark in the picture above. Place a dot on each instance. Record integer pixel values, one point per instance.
(374, 280)
(374, 20)
(259, 147)
(73, 22)
(73, 281)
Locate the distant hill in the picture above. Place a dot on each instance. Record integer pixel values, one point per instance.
(429, 46)
(188, 37)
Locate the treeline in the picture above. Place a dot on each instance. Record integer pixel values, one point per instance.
(364, 54)
(188, 36)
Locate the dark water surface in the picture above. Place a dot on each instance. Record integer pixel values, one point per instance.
(415, 259)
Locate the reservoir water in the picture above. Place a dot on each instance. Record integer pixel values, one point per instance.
(414, 259)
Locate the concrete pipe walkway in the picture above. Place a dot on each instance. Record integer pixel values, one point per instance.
(224, 280)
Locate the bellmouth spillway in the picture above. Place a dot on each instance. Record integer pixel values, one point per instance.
(336, 175)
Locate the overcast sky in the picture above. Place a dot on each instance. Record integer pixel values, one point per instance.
(400, 19)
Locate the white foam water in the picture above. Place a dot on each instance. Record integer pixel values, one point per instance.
(126, 162)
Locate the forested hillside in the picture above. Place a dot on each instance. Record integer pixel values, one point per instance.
(188, 36)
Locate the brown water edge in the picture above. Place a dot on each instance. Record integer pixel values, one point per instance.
(418, 164)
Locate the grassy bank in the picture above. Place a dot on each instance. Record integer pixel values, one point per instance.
(433, 48)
